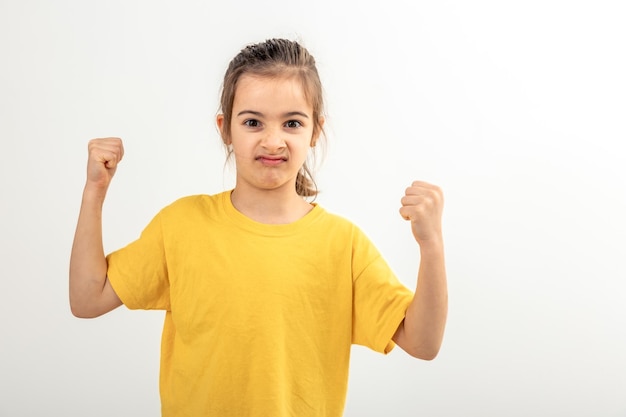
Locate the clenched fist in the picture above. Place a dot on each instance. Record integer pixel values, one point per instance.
(104, 156)
(422, 204)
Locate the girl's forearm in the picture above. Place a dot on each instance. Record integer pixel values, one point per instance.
(88, 267)
(426, 316)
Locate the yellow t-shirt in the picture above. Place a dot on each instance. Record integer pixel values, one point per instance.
(259, 318)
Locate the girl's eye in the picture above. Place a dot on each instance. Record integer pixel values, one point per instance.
(252, 123)
(293, 124)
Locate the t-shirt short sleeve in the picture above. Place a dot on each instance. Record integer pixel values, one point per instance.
(380, 300)
(138, 271)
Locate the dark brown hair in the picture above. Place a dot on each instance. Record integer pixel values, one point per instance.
(277, 58)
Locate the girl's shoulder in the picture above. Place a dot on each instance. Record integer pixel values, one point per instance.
(194, 203)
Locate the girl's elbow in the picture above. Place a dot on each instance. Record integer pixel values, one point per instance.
(425, 353)
(426, 356)
(82, 310)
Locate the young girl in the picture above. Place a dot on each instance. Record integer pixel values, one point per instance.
(264, 292)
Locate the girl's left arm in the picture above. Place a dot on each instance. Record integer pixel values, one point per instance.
(421, 332)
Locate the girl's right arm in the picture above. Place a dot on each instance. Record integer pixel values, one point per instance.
(91, 294)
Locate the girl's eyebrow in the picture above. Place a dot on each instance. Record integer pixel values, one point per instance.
(259, 114)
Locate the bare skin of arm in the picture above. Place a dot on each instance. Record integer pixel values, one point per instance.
(91, 294)
(421, 332)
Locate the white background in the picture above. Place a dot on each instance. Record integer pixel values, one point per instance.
(516, 109)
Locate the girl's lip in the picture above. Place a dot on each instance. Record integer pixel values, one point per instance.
(270, 157)
(271, 160)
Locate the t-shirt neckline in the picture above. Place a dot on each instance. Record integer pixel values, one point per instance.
(245, 222)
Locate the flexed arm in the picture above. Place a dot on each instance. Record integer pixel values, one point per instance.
(91, 294)
(421, 332)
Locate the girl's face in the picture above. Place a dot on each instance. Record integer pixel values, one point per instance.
(271, 132)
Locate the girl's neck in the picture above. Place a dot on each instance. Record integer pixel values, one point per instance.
(270, 206)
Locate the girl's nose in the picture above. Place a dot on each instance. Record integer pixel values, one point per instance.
(273, 140)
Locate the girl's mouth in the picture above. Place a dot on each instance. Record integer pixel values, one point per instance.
(271, 160)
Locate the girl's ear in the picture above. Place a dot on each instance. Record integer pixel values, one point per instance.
(317, 131)
(219, 120)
